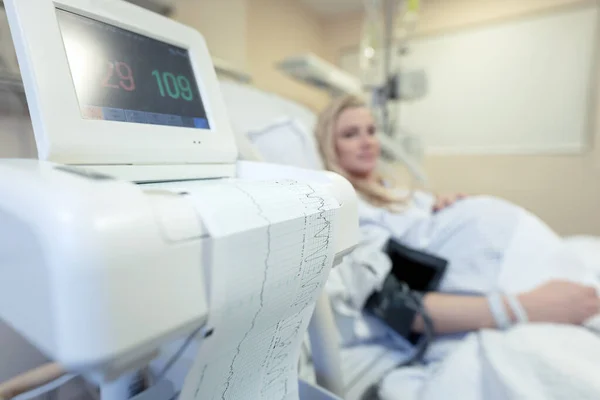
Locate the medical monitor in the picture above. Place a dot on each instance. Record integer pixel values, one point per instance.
(122, 76)
(115, 87)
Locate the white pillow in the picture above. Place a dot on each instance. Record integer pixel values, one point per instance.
(286, 141)
(248, 107)
(279, 129)
(302, 114)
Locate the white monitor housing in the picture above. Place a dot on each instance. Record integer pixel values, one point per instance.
(52, 55)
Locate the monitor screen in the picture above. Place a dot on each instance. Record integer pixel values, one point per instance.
(122, 76)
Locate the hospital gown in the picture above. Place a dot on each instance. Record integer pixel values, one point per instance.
(490, 244)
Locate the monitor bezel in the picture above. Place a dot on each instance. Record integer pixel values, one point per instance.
(64, 136)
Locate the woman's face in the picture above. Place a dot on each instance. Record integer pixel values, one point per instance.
(355, 141)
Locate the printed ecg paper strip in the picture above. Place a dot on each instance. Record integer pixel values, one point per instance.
(271, 252)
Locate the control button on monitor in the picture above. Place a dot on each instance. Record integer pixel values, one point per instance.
(201, 123)
(174, 120)
(156, 118)
(135, 116)
(113, 114)
(187, 122)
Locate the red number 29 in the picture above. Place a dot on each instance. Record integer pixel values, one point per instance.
(126, 76)
(124, 73)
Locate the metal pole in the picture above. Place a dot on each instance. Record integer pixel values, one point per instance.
(389, 8)
(389, 14)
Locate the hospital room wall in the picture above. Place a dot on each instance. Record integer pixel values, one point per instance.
(255, 34)
(281, 28)
(223, 24)
(562, 189)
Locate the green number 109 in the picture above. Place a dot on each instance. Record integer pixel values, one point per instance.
(175, 86)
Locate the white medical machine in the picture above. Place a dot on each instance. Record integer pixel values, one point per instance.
(102, 253)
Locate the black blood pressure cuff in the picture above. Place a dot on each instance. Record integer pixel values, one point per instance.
(393, 305)
(421, 271)
(399, 301)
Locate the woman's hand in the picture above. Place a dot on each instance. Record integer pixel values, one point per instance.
(561, 302)
(444, 201)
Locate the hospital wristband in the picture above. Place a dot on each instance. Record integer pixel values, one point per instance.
(517, 309)
(498, 311)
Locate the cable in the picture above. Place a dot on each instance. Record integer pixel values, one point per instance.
(413, 301)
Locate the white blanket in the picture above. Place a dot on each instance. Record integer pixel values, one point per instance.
(545, 362)
(529, 362)
(490, 245)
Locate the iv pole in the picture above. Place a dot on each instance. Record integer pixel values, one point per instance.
(390, 8)
(388, 88)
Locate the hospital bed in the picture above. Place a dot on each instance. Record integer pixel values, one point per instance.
(278, 130)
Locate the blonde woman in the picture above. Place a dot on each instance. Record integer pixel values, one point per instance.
(491, 245)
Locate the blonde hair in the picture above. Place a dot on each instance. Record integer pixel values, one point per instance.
(375, 191)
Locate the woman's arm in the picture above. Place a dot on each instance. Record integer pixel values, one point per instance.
(560, 302)
(453, 314)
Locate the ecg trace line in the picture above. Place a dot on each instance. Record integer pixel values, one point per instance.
(261, 214)
(309, 286)
(278, 354)
(280, 342)
(200, 381)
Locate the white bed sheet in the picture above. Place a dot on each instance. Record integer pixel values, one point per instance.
(364, 365)
(588, 250)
